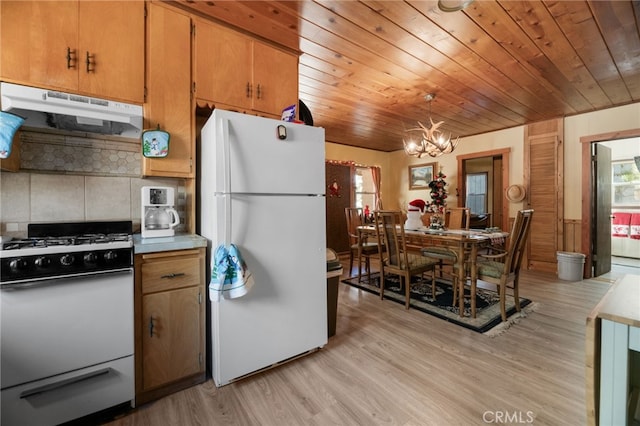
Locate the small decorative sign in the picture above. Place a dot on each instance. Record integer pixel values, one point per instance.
(155, 143)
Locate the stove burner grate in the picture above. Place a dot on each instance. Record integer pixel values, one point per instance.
(65, 240)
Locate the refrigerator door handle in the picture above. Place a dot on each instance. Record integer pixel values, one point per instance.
(223, 135)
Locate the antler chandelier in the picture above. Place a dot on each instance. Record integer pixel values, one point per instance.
(423, 140)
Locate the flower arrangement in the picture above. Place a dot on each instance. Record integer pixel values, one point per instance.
(438, 194)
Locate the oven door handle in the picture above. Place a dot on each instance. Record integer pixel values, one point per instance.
(62, 383)
(49, 281)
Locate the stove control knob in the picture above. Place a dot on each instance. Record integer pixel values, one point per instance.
(90, 258)
(42, 262)
(67, 260)
(110, 256)
(17, 264)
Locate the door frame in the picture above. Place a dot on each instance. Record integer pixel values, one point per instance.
(504, 153)
(587, 184)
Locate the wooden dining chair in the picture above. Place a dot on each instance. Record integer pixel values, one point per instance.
(502, 268)
(360, 245)
(458, 218)
(396, 259)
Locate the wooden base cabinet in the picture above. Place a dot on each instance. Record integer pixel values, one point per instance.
(170, 322)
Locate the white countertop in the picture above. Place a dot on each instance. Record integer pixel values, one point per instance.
(159, 244)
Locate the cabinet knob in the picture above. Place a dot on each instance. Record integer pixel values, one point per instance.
(248, 90)
(258, 92)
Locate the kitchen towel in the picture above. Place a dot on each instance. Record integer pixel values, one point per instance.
(230, 277)
(634, 230)
(620, 224)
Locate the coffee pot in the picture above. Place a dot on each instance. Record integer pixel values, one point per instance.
(158, 216)
(161, 218)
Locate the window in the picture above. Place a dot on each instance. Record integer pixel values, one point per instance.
(626, 184)
(364, 189)
(476, 198)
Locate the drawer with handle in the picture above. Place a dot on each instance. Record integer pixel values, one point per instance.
(170, 272)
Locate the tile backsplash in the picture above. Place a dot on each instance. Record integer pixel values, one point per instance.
(77, 180)
(73, 154)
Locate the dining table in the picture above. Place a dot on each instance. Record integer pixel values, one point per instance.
(465, 243)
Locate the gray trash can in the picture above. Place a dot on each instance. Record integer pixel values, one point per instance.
(570, 266)
(334, 271)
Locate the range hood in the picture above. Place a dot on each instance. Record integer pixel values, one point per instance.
(51, 109)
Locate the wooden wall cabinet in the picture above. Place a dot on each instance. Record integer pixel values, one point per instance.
(170, 322)
(234, 69)
(54, 52)
(168, 102)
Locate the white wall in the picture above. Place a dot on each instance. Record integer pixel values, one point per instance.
(614, 119)
(509, 138)
(594, 123)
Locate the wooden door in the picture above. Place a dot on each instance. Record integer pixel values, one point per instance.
(338, 186)
(35, 38)
(601, 218)
(544, 177)
(275, 79)
(171, 341)
(169, 91)
(112, 34)
(223, 65)
(500, 160)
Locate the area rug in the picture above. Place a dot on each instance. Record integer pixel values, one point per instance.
(487, 302)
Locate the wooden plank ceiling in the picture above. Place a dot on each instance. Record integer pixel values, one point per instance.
(365, 66)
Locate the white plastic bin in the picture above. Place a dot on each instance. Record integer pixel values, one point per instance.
(570, 265)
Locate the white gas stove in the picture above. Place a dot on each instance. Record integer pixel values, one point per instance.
(66, 320)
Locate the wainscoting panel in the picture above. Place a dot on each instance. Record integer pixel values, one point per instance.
(572, 235)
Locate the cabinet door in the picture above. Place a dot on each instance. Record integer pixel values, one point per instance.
(275, 79)
(35, 38)
(223, 65)
(169, 90)
(172, 339)
(111, 33)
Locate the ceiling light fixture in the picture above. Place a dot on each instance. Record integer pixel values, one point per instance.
(423, 140)
(453, 5)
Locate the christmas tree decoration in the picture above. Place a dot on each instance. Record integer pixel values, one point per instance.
(438, 200)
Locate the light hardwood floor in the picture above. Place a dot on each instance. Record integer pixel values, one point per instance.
(386, 365)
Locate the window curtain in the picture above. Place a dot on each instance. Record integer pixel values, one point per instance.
(375, 173)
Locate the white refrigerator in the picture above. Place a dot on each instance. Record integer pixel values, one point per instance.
(262, 188)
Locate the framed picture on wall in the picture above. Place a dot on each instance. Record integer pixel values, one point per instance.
(420, 175)
(626, 184)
